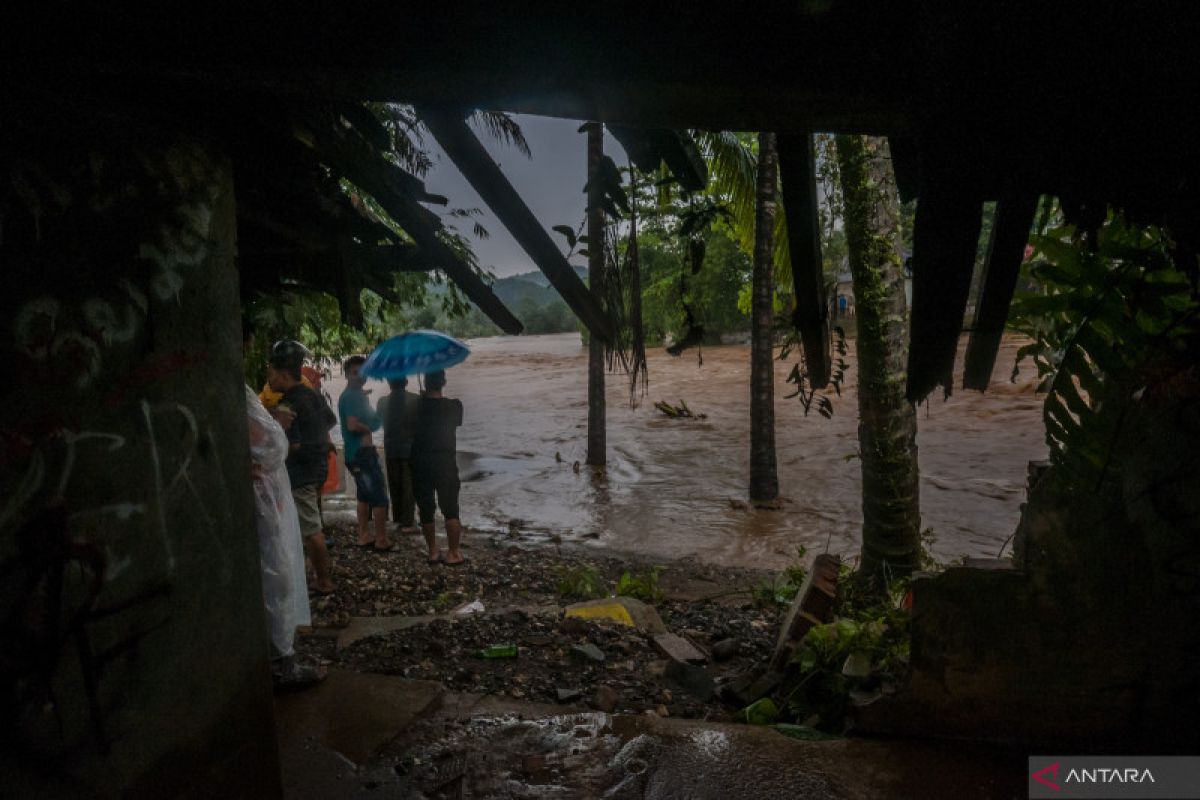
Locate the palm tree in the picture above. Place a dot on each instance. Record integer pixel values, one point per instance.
(764, 481)
(887, 425)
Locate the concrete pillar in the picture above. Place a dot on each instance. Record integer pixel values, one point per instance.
(133, 653)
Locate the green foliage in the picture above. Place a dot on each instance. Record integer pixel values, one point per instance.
(781, 590)
(583, 581)
(760, 712)
(830, 662)
(798, 377)
(711, 294)
(642, 586)
(1103, 313)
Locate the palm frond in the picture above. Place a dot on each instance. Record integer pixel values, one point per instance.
(732, 167)
(503, 128)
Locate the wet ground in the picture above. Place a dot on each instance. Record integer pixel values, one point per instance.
(412, 740)
(673, 487)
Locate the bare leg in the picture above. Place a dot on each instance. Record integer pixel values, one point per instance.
(430, 532)
(364, 521)
(453, 539)
(314, 547)
(380, 515)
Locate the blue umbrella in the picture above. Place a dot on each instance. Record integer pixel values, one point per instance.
(414, 353)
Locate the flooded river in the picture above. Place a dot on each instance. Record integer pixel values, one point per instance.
(669, 484)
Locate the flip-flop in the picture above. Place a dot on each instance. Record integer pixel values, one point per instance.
(392, 548)
(319, 593)
(367, 546)
(433, 562)
(465, 559)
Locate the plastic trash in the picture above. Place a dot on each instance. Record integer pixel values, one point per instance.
(499, 651)
(473, 607)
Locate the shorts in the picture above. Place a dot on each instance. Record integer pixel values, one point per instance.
(368, 477)
(438, 478)
(308, 509)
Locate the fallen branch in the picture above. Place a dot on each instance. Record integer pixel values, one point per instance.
(680, 411)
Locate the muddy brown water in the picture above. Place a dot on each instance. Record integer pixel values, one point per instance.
(667, 490)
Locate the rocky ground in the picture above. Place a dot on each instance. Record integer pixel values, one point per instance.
(580, 664)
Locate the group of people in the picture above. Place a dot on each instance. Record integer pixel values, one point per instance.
(290, 447)
(419, 443)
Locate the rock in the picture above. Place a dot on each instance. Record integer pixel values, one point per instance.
(667, 696)
(568, 695)
(662, 711)
(574, 626)
(694, 680)
(725, 649)
(588, 652)
(745, 689)
(656, 669)
(677, 648)
(606, 699)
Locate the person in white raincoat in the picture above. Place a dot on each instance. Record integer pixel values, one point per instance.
(281, 550)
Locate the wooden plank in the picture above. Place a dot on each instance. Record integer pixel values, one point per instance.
(473, 161)
(944, 242)
(1006, 251)
(797, 169)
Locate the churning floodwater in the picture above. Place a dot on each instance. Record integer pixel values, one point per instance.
(672, 487)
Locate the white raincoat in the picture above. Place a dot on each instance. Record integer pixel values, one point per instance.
(281, 550)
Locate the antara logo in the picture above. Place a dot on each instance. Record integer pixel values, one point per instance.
(1109, 775)
(1048, 776)
(1040, 776)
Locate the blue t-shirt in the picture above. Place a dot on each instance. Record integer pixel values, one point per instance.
(353, 403)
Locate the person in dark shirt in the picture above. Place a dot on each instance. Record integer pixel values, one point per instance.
(307, 451)
(435, 469)
(399, 413)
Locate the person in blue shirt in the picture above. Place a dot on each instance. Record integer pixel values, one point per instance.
(359, 421)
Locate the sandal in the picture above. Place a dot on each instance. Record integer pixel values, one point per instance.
(438, 559)
(391, 548)
(464, 560)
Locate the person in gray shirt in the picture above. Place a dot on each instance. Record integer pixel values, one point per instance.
(399, 412)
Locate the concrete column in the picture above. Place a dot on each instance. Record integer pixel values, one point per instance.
(133, 653)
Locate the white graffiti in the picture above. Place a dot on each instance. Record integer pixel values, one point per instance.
(103, 319)
(34, 326)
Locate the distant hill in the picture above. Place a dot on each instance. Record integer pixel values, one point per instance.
(515, 290)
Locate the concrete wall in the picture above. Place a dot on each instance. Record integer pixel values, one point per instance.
(1090, 642)
(133, 654)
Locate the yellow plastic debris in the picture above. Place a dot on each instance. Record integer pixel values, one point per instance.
(613, 612)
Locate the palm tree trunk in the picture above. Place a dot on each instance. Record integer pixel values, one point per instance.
(764, 482)
(887, 426)
(596, 438)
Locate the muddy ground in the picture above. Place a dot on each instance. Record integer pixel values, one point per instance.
(575, 664)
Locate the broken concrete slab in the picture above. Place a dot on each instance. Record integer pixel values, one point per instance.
(812, 606)
(622, 610)
(364, 627)
(354, 713)
(677, 648)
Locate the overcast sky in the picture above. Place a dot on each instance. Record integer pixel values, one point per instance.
(551, 184)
